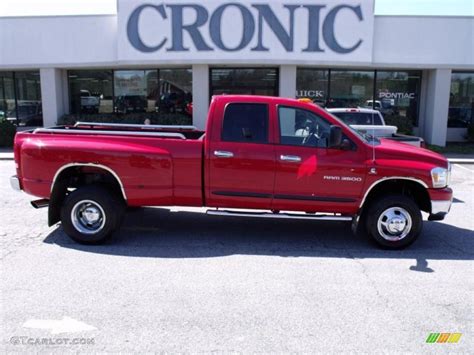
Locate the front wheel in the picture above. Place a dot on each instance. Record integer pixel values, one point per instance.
(90, 214)
(394, 222)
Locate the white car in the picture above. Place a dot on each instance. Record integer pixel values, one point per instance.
(89, 103)
(371, 121)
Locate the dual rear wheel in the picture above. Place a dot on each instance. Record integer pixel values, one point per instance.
(90, 214)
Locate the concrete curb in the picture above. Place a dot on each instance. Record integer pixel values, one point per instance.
(460, 161)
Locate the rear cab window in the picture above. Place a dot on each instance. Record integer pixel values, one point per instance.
(246, 123)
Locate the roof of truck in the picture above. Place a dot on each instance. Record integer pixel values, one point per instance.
(264, 99)
(353, 109)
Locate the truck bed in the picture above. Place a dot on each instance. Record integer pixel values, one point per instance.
(154, 163)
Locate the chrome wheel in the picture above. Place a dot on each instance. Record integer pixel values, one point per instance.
(394, 224)
(88, 217)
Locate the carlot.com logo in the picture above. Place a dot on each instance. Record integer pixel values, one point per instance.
(443, 338)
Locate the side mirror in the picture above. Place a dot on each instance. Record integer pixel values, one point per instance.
(335, 137)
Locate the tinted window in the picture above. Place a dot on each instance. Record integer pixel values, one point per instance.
(245, 123)
(461, 101)
(351, 88)
(359, 118)
(397, 97)
(167, 93)
(244, 81)
(312, 84)
(301, 127)
(20, 98)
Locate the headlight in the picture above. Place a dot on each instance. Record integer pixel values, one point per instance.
(440, 177)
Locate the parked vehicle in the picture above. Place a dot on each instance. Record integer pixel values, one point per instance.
(26, 113)
(189, 109)
(257, 153)
(368, 121)
(131, 104)
(173, 102)
(89, 103)
(386, 107)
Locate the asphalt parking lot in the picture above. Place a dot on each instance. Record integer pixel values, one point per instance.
(176, 280)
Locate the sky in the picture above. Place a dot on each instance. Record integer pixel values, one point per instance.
(9, 8)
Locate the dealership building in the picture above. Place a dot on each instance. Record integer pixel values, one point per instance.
(170, 57)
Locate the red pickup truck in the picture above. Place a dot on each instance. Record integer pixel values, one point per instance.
(288, 158)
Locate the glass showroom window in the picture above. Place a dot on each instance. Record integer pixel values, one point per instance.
(90, 91)
(461, 102)
(351, 88)
(244, 81)
(154, 92)
(28, 98)
(312, 84)
(7, 95)
(20, 98)
(176, 87)
(397, 96)
(136, 91)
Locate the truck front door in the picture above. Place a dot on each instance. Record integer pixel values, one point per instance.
(241, 162)
(309, 176)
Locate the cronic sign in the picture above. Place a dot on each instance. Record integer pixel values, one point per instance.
(299, 30)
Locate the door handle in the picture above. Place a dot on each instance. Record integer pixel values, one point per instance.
(290, 158)
(223, 154)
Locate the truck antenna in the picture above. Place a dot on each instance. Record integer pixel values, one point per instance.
(373, 138)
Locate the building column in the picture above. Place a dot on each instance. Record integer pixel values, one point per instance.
(200, 95)
(287, 81)
(435, 120)
(52, 95)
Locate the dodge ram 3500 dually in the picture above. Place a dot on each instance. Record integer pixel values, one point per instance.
(290, 158)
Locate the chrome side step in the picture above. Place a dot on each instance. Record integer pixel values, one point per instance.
(278, 215)
(40, 203)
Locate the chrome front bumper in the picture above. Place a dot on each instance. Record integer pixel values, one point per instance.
(440, 207)
(15, 183)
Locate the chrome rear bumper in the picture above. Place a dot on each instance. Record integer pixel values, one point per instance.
(15, 183)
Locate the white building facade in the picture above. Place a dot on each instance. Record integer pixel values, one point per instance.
(169, 57)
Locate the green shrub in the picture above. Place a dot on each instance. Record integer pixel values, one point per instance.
(133, 118)
(7, 133)
(404, 124)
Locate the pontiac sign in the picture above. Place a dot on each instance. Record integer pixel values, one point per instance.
(240, 31)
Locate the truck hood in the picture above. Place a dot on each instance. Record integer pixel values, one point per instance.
(391, 150)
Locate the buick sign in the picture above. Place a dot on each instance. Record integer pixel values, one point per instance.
(246, 30)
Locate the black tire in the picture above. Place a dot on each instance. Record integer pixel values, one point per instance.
(92, 199)
(396, 206)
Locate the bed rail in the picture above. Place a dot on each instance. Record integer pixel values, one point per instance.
(141, 126)
(110, 133)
